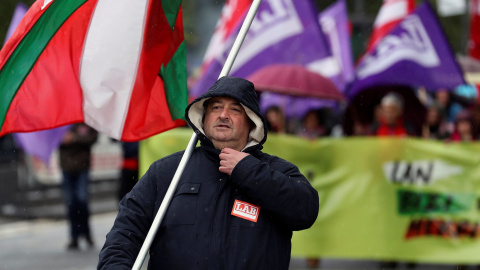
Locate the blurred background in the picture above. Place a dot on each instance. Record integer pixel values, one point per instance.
(33, 228)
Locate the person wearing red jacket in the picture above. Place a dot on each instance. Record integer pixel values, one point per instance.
(391, 122)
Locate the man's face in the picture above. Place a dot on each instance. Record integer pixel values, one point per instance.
(226, 123)
(391, 113)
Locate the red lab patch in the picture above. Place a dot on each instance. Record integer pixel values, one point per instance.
(245, 210)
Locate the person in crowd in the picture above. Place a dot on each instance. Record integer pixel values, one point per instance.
(361, 129)
(464, 131)
(359, 126)
(276, 122)
(312, 127)
(435, 126)
(235, 207)
(475, 111)
(75, 152)
(391, 122)
(450, 109)
(129, 173)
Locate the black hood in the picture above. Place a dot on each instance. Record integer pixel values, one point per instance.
(240, 90)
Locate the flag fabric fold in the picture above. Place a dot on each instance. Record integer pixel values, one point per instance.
(40, 143)
(335, 26)
(415, 53)
(119, 66)
(283, 32)
(391, 13)
(474, 39)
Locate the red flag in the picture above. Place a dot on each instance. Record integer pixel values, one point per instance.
(474, 40)
(390, 14)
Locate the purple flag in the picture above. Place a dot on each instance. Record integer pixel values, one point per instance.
(335, 26)
(415, 53)
(40, 143)
(20, 10)
(284, 31)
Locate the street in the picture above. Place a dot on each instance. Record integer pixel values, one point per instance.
(40, 245)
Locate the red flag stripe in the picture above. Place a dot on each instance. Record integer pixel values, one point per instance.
(148, 105)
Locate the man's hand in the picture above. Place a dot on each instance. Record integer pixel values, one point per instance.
(229, 159)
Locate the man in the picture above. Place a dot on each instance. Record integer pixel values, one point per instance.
(390, 122)
(75, 152)
(234, 208)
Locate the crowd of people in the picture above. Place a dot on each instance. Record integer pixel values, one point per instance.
(443, 115)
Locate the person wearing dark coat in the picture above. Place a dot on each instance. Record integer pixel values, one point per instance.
(235, 207)
(75, 152)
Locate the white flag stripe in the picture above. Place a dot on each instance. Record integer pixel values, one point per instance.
(391, 12)
(328, 66)
(109, 62)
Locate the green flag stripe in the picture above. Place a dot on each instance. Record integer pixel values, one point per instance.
(25, 55)
(171, 8)
(175, 80)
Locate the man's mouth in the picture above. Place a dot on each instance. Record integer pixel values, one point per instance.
(222, 126)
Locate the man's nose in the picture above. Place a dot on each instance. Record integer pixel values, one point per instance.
(224, 114)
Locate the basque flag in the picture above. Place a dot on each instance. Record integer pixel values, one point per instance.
(117, 65)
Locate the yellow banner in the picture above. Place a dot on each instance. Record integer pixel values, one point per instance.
(380, 198)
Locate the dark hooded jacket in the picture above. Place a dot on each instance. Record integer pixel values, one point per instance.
(199, 230)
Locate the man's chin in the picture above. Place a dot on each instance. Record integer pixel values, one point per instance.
(222, 138)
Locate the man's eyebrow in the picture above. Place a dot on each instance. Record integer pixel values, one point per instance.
(215, 102)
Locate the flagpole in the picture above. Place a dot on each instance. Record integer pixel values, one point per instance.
(193, 141)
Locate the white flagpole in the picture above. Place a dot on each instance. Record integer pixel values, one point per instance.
(193, 141)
